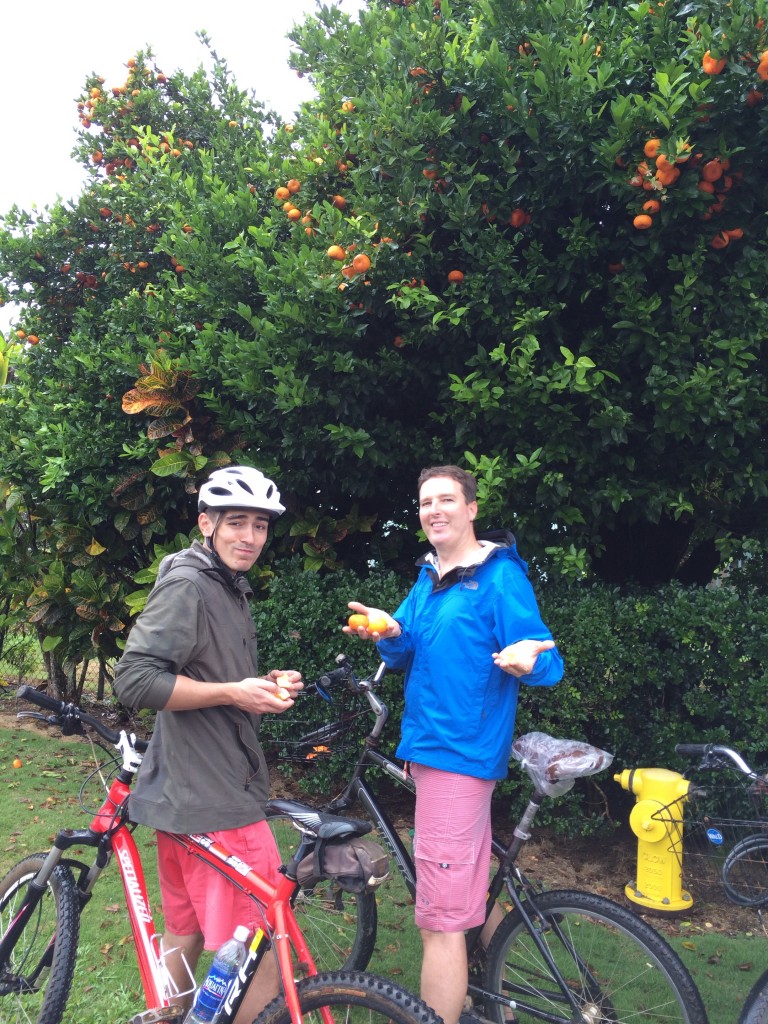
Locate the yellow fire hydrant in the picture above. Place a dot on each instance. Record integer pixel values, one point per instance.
(657, 821)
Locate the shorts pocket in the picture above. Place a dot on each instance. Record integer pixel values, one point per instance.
(444, 873)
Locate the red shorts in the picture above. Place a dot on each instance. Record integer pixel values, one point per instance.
(451, 848)
(198, 900)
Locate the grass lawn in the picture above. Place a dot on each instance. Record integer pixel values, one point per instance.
(42, 795)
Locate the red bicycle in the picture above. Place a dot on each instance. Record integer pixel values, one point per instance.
(43, 896)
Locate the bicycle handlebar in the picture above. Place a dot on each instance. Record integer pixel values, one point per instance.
(70, 717)
(713, 755)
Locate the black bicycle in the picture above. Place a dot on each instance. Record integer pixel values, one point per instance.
(731, 822)
(732, 818)
(558, 956)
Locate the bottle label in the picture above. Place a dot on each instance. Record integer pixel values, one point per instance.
(212, 992)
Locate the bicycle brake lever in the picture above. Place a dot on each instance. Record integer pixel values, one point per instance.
(48, 719)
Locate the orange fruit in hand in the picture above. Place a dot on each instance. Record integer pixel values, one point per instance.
(356, 621)
(378, 624)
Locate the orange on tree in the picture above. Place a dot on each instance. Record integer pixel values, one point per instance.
(735, 234)
(293, 186)
(518, 217)
(642, 222)
(361, 263)
(651, 206)
(712, 170)
(455, 276)
(293, 214)
(336, 252)
(720, 240)
(339, 202)
(282, 193)
(712, 65)
(652, 147)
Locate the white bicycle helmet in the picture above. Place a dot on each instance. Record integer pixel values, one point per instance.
(240, 487)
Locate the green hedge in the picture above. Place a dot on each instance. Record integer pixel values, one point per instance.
(644, 671)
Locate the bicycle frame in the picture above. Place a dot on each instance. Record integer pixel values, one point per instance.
(110, 832)
(506, 876)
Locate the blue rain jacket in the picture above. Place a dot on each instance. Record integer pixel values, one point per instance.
(459, 707)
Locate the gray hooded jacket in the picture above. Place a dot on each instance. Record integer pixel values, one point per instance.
(204, 769)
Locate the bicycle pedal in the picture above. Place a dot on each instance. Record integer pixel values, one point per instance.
(164, 1014)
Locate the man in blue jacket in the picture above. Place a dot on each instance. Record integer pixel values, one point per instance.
(468, 633)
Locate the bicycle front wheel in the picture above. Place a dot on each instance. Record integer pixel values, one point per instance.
(586, 958)
(340, 927)
(745, 872)
(36, 977)
(351, 998)
(756, 1007)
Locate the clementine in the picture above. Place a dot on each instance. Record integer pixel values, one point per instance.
(711, 65)
(455, 276)
(336, 252)
(356, 621)
(361, 263)
(642, 222)
(377, 624)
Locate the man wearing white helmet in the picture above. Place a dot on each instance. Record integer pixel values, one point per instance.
(191, 655)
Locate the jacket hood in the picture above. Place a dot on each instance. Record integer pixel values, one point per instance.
(199, 557)
(505, 546)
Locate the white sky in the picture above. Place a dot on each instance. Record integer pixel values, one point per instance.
(50, 47)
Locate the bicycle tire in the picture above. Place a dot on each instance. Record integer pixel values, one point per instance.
(35, 982)
(361, 998)
(616, 966)
(339, 926)
(755, 1009)
(745, 872)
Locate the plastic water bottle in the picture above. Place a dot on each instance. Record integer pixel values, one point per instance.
(227, 962)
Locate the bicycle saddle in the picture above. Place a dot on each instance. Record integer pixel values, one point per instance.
(549, 760)
(317, 823)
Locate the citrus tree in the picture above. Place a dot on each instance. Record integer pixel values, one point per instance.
(526, 238)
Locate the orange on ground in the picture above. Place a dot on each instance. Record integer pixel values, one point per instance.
(17, 762)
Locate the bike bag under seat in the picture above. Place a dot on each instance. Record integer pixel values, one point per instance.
(356, 865)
